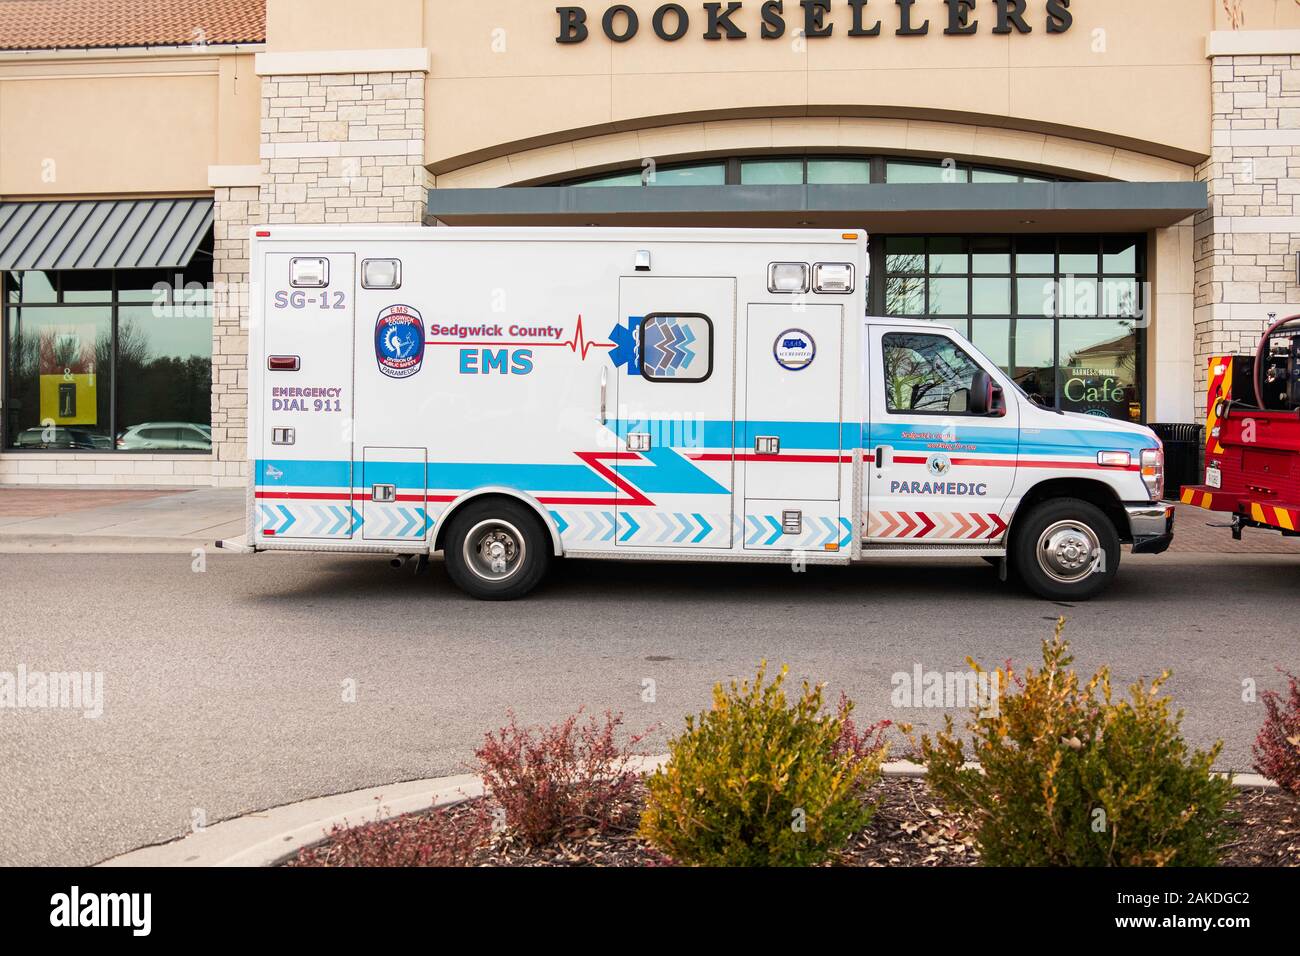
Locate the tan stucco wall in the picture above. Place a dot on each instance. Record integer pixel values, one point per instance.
(239, 108)
(293, 25)
(1257, 14)
(123, 125)
(500, 83)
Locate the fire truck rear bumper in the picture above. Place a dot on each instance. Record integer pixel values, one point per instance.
(1151, 527)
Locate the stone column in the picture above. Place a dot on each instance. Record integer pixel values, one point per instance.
(344, 147)
(1246, 243)
(237, 208)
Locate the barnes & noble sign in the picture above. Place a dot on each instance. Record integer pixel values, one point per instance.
(775, 19)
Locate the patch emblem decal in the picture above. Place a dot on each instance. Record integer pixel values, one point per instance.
(399, 341)
(794, 350)
(938, 465)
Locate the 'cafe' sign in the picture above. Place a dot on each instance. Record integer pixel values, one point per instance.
(816, 18)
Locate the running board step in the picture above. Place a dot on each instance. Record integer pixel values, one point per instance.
(930, 550)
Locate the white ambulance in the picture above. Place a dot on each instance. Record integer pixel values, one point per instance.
(508, 396)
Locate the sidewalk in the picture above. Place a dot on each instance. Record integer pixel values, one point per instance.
(40, 519)
(167, 520)
(1193, 534)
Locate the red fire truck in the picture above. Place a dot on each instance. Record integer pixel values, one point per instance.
(1252, 435)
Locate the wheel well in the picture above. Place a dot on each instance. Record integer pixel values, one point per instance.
(1094, 492)
(543, 518)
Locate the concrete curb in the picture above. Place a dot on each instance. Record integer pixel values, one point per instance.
(266, 837)
(99, 544)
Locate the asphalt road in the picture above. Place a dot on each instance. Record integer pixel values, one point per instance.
(224, 690)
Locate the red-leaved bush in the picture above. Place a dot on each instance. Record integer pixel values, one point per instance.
(1277, 748)
(855, 745)
(447, 836)
(553, 780)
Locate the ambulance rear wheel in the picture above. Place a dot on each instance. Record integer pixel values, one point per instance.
(1065, 550)
(496, 550)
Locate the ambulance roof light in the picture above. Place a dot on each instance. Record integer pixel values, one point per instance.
(789, 278)
(833, 277)
(381, 273)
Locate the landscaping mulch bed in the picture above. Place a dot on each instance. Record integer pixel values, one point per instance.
(909, 829)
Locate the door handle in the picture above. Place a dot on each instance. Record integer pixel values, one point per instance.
(638, 441)
(767, 445)
(879, 455)
(604, 382)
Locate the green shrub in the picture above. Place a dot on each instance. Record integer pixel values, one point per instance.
(1067, 777)
(757, 782)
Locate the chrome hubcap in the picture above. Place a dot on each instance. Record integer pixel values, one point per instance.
(494, 549)
(1068, 550)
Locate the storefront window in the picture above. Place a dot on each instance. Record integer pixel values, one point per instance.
(771, 172)
(103, 360)
(800, 169)
(59, 395)
(1060, 315)
(1098, 368)
(838, 172)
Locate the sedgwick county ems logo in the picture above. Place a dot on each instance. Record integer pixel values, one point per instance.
(794, 349)
(938, 465)
(399, 341)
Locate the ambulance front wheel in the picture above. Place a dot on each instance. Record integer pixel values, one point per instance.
(496, 550)
(1065, 550)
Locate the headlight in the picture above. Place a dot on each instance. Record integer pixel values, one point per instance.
(1153, 471)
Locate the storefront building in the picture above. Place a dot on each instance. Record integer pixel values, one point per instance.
(1100, 193)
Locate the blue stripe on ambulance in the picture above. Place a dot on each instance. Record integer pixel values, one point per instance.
(666, 472)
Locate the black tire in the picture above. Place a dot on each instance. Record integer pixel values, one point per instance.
(1065, 550)
(496, 550)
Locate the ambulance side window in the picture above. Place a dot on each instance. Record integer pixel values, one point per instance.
(926, 374)
(676, 347)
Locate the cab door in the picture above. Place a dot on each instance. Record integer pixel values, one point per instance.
(675, 414)
(303, 476)
(936, 472)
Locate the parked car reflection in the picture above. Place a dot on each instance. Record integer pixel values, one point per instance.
(166, 436)
(61, 437)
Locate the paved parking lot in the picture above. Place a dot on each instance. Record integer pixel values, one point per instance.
(225, 690)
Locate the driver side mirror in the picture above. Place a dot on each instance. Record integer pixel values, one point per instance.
(986, 396)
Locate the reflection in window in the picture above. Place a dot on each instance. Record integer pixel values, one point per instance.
(772, 172)
(166, 355)
(839, 171)
(926, 373)
(715, 175)
(793, 170)
(905, 295)
(948, 297)
(618, 179)
(904, 254)
(1016, 301)
(924, 173)
(1098, 368)
(1024, 349)
(87, 368)
(58, 392)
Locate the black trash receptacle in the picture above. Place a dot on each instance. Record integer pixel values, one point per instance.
(1184, 443)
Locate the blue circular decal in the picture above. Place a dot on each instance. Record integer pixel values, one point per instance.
(399, 341)
(794, 350)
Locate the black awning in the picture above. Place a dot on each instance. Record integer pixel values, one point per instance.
(892, 207)
(102, 233)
